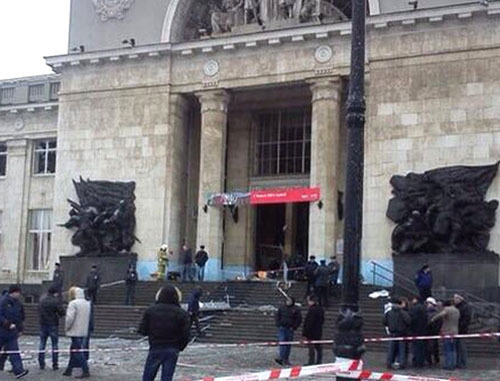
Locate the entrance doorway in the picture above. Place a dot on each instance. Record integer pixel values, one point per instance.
(280, 229)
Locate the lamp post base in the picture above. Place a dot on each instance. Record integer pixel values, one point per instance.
(349, 340)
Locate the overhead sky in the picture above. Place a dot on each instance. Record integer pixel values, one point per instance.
(30, 30)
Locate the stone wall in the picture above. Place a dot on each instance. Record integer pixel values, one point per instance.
(433, 102)
(110, 129)
(22, 190)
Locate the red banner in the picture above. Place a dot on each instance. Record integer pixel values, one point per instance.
(284, 195)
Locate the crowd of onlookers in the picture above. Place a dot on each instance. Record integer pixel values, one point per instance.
(426, 316)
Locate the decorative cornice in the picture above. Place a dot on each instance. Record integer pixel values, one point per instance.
(296, 34)
(29, 107)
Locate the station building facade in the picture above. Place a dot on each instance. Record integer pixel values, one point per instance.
(190, 100)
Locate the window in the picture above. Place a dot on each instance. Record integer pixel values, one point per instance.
(3, 159)
(45, 156)
(54, 90)
(35, 93)
(39, 236)
(284, 143)
(6, 95)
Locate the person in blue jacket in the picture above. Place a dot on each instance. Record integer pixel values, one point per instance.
(423, 281)
(11, 325)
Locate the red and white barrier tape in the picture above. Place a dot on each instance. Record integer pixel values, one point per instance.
(274, 343)
(369, 375)
(294, 372)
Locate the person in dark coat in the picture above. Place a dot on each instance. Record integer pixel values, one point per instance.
(131, 278)
(423, 281)
(93, 284)
(194, 308)
(463, 329)
(11, 326)
(418, 327)
(334, 267)
(50, 312)
(201, 259)
(187, 264)
(3, 356)
(310, 268)
(58, 279)
(433, 329)
(397, 322)
(313, 329)
(288, 319)
(321, 281)
(167, 327)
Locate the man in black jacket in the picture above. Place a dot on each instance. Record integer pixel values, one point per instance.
(50, 311)
(201, 259)
(93, 284)
(397, 321)
(131, 278)
(313, 329)
(167, 326)
(288, 319)
(418, 327)
(463, 329)
(58, 279)
(321, 280)
(194, 308)
(310, 269)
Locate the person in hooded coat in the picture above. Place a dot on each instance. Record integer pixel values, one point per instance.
(167, 327)
(77, 328)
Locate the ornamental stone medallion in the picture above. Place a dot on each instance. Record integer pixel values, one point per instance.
(323, 54)
(19, 124)
(211, 68)
(112, 9)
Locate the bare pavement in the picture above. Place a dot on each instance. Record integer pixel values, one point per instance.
(114, 360)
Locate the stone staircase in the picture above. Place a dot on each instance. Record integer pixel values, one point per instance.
(251, 318)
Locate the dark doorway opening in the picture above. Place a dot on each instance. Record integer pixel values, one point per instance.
(270, 235)
(277, 234)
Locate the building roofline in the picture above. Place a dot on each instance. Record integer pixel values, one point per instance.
(296, 33)
(28, 79)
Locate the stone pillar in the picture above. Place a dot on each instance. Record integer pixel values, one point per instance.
(214, 104)
(325, 127)
(15, 214)
(289, 233)
(176, 174)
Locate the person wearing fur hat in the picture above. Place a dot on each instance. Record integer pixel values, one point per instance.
(167, 327)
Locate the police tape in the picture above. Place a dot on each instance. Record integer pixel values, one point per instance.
(266, 343)
(369, 375)
(367, 340)
(342, 365)
(341, 368)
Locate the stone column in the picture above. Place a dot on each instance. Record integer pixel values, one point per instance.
(326, 107)
(214, 104)
(15, 214)
(176, 174)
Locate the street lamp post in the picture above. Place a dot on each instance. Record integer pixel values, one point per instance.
(349, 338)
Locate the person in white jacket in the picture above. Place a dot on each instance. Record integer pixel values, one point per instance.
(77, 328)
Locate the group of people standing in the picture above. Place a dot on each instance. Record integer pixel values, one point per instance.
(192, 267)
(321, 278)
(288, 320)
(78, 326)
(427, 318)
